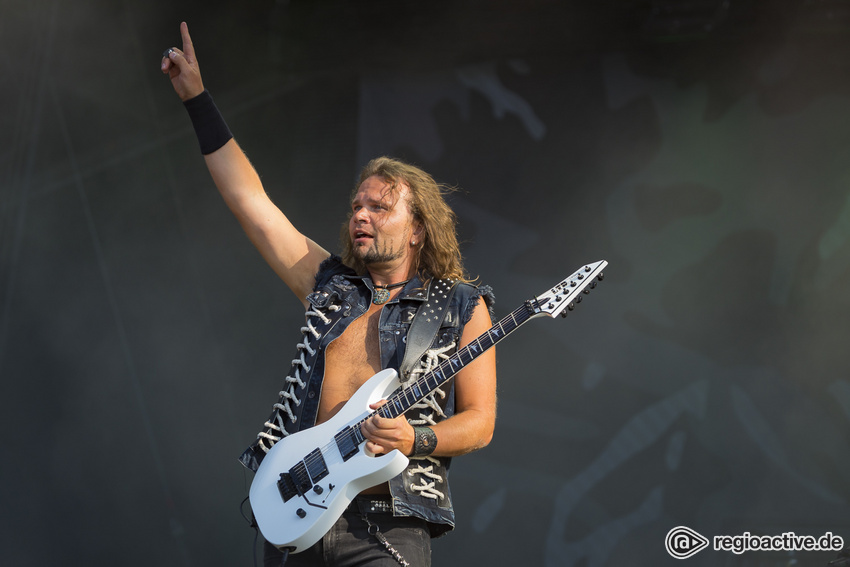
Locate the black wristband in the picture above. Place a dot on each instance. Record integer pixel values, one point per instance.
(424, 441)
(210, 127)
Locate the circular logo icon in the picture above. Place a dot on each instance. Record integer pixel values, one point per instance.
(683, 542)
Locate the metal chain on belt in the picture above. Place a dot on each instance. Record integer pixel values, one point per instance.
(375, 531)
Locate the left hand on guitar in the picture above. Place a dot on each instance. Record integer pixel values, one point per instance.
(383, 434)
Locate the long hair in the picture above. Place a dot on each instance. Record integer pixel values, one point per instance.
(437, 254)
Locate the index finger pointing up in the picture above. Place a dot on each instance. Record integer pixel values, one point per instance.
(188, 48)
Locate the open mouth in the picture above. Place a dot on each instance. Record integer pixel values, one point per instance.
(361, 237)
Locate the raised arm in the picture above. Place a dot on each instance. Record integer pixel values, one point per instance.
(293, 256)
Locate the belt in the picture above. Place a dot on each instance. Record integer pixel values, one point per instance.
(371, 504)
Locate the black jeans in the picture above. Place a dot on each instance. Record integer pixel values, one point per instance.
(351, 542)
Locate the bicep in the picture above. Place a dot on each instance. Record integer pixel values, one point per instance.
(475, 385)
(293, 257)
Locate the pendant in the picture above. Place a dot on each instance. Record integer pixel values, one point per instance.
(381, 296)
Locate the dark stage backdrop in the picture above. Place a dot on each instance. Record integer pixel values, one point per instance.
(700, 146)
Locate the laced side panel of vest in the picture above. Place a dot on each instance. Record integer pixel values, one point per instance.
(275, 429)
(429, 410)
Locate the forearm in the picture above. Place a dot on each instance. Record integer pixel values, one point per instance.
(241, 188)
(235, 178)
(233, 174)
(463, 433)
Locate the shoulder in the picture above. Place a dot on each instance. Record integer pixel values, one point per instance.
(330, 268)
(468, 296)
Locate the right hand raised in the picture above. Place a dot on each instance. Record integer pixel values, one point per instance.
(181, 66)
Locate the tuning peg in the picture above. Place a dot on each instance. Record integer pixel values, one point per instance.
(593, 284)
(571, 306)
(600, 277)
(564, 314)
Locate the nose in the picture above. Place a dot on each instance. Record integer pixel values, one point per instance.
(360, 215)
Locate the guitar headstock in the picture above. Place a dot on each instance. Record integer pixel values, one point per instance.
(563, 298)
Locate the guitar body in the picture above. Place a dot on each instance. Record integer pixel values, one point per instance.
(303, 519)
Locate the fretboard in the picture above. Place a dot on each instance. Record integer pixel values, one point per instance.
(412, 393)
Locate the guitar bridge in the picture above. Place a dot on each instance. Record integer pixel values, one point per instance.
(300, 478)
(303, 476)
(286, 487)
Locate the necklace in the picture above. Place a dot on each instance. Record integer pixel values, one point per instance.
(382, 292)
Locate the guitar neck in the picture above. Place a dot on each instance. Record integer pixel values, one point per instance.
(556, 301)
(412, 393)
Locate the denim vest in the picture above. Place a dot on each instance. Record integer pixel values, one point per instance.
(339, 297)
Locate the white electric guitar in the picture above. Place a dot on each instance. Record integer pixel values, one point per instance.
(307, 479)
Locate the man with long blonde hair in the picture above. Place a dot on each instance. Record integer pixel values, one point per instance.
(399, 240)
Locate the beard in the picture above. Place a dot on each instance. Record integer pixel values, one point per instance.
(378, 253)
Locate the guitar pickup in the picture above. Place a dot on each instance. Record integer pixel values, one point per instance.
(347, 443)
(316, 465)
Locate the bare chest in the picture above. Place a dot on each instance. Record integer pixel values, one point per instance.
(350, 360)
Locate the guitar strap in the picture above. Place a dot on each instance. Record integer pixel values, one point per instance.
(426, 323)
